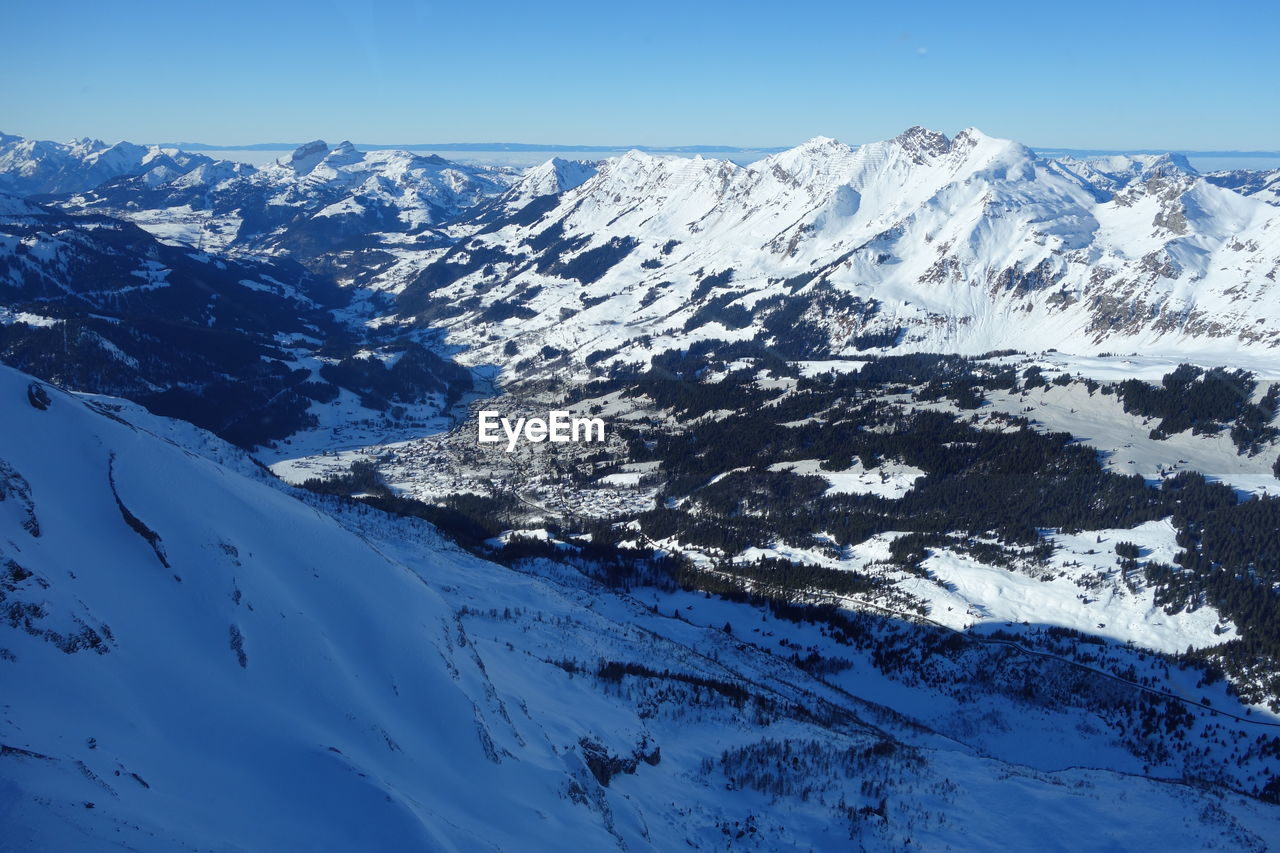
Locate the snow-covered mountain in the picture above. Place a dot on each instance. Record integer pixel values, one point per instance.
(278, 672)
(316, 202)
(921, 242)
(1264, 185)
(544, 181)
(250, 675)
(1116, 171)
(357, 216)
(37, 167)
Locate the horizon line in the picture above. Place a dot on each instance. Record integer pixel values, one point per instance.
(1043, 150)
(693, 149)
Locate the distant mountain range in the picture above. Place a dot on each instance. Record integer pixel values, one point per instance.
(917, 243)
(1048, 150)
(921, 242)
(478, 146)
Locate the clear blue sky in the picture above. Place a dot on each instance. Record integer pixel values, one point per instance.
(1116, 74)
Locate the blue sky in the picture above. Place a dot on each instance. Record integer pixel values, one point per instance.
(1087, 75)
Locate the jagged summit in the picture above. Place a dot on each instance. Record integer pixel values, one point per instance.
(555, 176)
(921, 143)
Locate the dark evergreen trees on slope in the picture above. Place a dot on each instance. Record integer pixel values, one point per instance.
(1205, 401)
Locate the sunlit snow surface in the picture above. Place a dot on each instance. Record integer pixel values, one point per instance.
(970, 244)
(1080, 587)
(1099, 420)
(889, 480)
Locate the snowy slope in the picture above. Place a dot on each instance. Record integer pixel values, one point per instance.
(1080, 587)
(927, 243)
(14, 207)
(272, 680)
(890, 480)
(195, 658)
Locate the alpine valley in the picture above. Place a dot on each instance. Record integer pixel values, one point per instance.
(939, 506)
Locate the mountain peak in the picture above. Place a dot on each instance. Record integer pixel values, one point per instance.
(305, 157)
(971, 136)
(1171, 164)
(558, 175)
(633, 161)
(638, 156)
(342, 154)
(922, 143)
(821, 154)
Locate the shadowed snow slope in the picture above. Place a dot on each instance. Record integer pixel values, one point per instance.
(192, 656)
(272, 680)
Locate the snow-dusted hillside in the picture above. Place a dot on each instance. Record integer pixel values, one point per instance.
(230, 668)
(193, 657)
(921, 242)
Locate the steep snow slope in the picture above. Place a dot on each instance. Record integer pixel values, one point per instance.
(216, 664)
(193, 657)
(922, 242)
